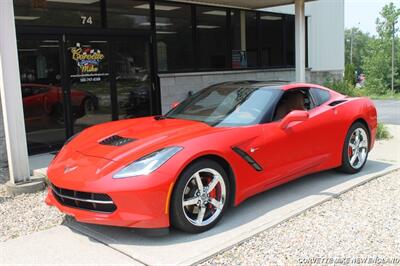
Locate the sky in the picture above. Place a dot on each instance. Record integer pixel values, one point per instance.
(363, 13)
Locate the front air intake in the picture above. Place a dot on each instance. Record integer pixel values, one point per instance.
(83, 200)
(116, 140)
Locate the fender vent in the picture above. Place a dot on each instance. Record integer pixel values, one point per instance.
(116, 140)
(334, 103)
(247, 158)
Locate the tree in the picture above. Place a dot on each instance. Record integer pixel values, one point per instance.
(359, 40)
(349, 74)
(377, 64)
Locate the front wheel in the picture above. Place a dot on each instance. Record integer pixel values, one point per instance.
(200, 197)
(356, 148)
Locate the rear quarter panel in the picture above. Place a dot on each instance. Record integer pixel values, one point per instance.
(362, 109)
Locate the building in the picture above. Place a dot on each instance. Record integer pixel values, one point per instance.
(84, 62)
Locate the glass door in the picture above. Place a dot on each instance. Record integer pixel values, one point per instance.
(42, 95)
(88, 68)
(109, 79)
(131, 68)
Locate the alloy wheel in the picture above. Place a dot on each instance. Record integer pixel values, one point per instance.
(204, 197)
(358, 148)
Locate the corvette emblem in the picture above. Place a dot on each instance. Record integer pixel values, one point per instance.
(253, 149)
(68, 169)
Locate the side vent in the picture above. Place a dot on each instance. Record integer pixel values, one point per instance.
(247, 158)
(334, 103)
(116, 140)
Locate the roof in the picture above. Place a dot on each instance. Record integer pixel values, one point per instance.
(253, 83)
(249, 4)
(270, 84)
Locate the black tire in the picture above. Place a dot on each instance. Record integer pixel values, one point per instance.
(177, 213)
(57, 114)
(88, 106)
(346, 166)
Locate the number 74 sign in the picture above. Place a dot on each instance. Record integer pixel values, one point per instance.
(86, 20)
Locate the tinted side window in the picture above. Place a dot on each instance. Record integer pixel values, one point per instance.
(320, 96)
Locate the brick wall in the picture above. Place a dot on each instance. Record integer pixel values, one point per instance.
(175, 86)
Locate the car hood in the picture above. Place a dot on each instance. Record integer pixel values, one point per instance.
(147, 134)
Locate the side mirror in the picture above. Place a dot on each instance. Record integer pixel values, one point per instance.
(174, 104)
(293, 116)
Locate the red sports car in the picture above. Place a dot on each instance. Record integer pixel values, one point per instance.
(217, 148)
(44, 103)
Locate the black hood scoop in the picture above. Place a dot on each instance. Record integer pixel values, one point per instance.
(116, 140)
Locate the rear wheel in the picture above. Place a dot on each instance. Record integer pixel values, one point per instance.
(200, 197)
(356, 148)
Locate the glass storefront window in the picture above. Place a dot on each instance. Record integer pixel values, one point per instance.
(290, 38)
(271, 40)
(174, 36)
(211, 24)
(251, 38)
(42, 97)
(128, 14)
(244, 55)
(76, 13)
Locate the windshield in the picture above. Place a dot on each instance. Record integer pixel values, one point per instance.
(226, 106)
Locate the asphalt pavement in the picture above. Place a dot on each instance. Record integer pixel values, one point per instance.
(388, 111)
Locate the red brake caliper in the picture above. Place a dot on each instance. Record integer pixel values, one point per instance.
(213, 193)
(350, 152)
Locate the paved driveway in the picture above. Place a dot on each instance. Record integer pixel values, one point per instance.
(388, 111)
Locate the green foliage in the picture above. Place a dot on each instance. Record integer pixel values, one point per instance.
(375, 86)
(382, 132)
(377, 62)
(349, 74)
(342, 87)
(359, 40)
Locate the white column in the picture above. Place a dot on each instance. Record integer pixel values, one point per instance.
(11, 98)
(300, 29)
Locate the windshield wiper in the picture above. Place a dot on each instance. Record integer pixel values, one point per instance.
(162, 117)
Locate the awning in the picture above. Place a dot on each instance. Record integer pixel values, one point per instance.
(248, 4)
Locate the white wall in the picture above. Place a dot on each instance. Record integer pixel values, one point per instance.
(325, 33)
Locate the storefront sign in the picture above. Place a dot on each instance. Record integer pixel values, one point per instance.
(88, 62)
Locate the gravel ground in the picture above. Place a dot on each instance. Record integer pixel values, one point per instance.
(25, 214)
(363, 223)
(3, 175)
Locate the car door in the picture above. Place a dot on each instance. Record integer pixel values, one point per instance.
(30, 103)
(35, 101)
(296, 150)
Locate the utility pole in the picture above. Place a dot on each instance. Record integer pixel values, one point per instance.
(393, 33)
(351, 46)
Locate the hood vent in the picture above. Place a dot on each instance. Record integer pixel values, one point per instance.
(116, 140)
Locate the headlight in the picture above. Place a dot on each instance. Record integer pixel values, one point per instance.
(148, 163)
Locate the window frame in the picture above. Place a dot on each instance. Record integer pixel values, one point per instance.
(313, 105)
(316, 96)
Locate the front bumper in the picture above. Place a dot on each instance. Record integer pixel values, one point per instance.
(142, 206)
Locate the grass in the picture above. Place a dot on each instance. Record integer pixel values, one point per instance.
(388, 96)
(382, 132)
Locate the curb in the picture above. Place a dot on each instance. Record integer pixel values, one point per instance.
(295, 213)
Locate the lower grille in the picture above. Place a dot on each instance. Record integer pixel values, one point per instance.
(84, 200)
